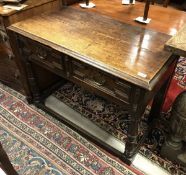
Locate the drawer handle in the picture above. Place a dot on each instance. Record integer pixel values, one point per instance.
(99, 82)
(42, 57)
(41, 53)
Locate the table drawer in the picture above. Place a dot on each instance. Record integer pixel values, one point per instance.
(44, 56)
(101, 80)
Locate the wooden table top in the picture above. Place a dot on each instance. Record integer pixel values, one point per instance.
(132, 53)
(165, 20)
(30, 3)
(177, 44)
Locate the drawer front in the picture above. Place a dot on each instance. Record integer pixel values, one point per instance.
(42, 55)
(101, 80)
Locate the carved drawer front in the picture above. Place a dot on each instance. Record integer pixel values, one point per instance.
(101, 80)
(44, 56)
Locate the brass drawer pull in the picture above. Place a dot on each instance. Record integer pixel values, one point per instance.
(41, 53)
(99, 81)
(42, 57)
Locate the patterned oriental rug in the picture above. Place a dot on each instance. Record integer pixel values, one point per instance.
(37, 144)
(110, 116)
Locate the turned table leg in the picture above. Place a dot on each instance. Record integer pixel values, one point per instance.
(158, 102)
(159, 98)
(132, 141)
(139, 103)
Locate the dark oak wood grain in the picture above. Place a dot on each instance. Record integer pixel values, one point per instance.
(134, 54)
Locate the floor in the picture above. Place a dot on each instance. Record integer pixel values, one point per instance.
(140, 162)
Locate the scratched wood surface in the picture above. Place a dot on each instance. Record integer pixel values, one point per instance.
(166, 20)
(131, 53)
(177, 44)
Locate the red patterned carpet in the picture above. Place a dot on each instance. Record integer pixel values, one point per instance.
(178, 84)
(37, 144)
